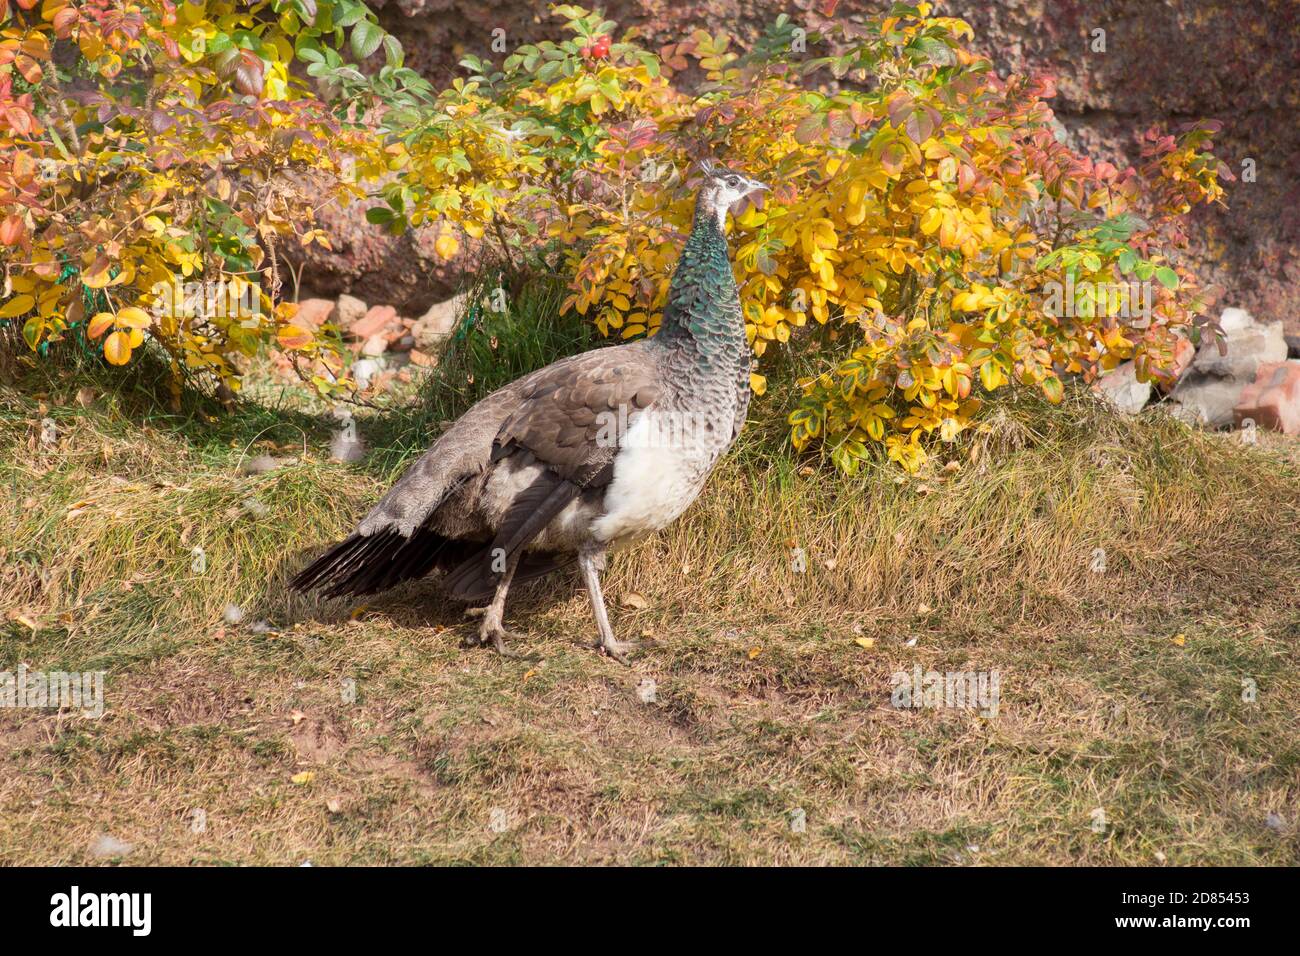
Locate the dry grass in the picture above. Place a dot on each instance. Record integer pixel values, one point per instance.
(765, 700)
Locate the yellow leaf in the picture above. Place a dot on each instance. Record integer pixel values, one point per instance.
(758, 383)
(867, 643)
(133, 318)
(117, 348)
(17, 306)
(303, 778)
(447, 245)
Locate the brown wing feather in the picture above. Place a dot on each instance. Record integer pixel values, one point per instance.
(572, 418)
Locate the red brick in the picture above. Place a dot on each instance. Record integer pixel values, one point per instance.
(1273, 399)
(313, 313)
(374, 322)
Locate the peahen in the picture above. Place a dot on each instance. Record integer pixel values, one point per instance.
(583, 456)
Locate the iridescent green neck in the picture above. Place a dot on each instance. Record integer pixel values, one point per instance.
(703, 307)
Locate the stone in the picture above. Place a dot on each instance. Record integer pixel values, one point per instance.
(1123, 391)
(375, 346)
(1234, 320)
(1212, 385)
(366, 260)
(439, 321)
(364, 371)
(349, 311)
(376, 321)
(1273, 399)
(422, 359)
(313, 313)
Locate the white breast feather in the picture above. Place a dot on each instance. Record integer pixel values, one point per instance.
(652, 485)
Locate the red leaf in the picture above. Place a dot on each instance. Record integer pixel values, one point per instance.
(921, 124)
(900, 108)
(244, 69)
(810, 130)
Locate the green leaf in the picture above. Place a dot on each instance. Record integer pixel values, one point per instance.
(366, 37)
(353, 12)
(1168, 277)
(393, 51)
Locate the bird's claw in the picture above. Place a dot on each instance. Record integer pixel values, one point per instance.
(494, 635)
(618, 650)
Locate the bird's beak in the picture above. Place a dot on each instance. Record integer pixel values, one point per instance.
(753, 196)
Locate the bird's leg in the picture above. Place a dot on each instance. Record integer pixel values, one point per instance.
(491, 630)
(592, 563)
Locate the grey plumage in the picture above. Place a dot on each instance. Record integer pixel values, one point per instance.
(585, 455)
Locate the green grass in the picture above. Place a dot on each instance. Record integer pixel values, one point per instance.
(765, 700)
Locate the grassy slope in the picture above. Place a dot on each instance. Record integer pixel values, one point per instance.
(765, 700)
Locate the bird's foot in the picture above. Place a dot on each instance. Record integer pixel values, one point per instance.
(618, 650)
(492, 634)
(476, 611)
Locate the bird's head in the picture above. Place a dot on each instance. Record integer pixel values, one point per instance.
(721, 188)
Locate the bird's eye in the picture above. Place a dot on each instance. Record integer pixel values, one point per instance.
(733, 181)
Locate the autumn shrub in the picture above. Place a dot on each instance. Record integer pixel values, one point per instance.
(153, 155)
(922, 207)
(924, 210)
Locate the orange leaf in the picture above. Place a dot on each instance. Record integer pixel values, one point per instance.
(293, 337)
(97, 276)
(100, 324)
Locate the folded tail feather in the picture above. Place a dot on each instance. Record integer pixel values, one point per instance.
(367, 564)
